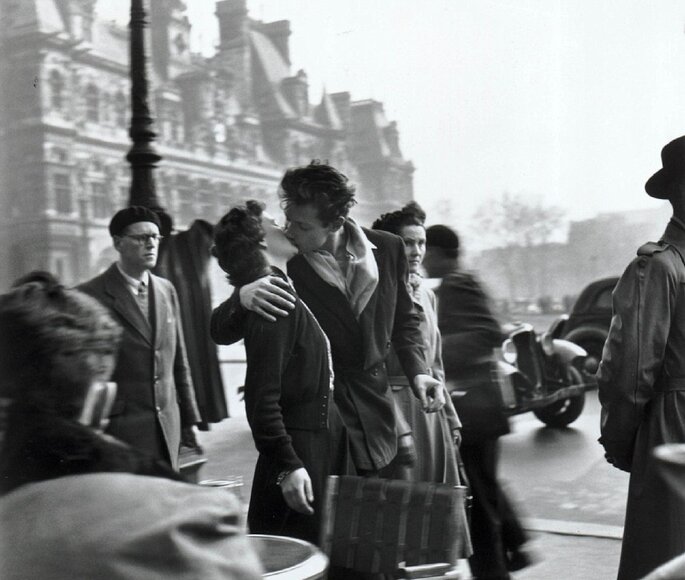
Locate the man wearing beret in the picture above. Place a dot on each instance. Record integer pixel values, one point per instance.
(155, 397)
(641, 377)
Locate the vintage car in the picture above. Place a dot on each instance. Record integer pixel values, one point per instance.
(589, 320)
(543, 373)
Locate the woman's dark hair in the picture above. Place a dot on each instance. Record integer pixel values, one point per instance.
(40, 319)
(410, 215)
(238, 241)
(320, 185)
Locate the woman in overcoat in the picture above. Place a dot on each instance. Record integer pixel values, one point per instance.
(435, 436)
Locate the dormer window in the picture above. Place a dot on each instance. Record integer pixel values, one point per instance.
(180, 44)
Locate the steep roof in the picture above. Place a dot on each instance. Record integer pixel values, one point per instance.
(110, 41)
(368, 122)
(327, 113)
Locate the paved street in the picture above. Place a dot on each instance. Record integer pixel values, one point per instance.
(561, 474)
(573, 501)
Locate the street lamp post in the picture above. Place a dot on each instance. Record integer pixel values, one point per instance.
(143, 157)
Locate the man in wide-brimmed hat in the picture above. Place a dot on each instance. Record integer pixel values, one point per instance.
(642, 377)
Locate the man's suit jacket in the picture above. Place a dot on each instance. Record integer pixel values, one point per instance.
(155, 396)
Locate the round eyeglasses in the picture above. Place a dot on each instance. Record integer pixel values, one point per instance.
(143, 239)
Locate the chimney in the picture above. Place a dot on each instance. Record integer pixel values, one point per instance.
(392, 137)
(296, 90)
(233, 23)
(343, 105)
(234, 56)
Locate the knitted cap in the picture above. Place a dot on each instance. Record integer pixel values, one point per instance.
(131, 215)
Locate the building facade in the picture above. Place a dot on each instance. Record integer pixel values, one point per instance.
(227, 127)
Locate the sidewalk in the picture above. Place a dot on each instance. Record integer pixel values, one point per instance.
(561, 550)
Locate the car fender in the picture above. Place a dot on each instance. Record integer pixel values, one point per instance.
(568, 351)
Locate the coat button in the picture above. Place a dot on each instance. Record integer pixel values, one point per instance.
(158, 409)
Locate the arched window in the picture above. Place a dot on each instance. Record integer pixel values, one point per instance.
(56, 82)
(92, 103)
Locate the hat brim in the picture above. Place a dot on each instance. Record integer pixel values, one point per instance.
(660, 185)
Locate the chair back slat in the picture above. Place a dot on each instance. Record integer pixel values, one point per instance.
(372, 524)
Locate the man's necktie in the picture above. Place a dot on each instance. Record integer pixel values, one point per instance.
(143, 300)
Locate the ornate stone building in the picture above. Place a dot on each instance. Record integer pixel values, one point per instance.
(227, 128)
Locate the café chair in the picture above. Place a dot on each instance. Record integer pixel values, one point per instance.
(399, 528)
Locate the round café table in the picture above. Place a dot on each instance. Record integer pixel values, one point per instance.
(286, 558)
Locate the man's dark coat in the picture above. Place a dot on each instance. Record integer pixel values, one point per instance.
(184, 260)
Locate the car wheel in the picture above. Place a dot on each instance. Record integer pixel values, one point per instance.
(564, 411)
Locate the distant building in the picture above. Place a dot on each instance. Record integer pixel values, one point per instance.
(227, 128)
(597, 247)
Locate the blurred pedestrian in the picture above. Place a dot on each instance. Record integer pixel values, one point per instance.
(155, 399)
(77, 503)
(354, 280)
(641, 377)
(470, 332)
(288, 385)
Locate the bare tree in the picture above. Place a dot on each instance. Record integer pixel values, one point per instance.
(518, 220)
(516, 223)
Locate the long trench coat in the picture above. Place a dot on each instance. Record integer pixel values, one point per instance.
(641, 382)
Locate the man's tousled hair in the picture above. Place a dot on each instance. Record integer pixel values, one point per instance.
(320, 185)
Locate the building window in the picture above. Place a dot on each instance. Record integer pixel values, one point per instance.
(106, 108)
(124, 192)
(186, 201)
(92, 104)
(121, 108)
(102, 208)
(178, 133)
(206, 196)
(62, 190)
(56, 90)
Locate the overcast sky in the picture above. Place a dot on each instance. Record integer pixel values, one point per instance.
(567, 100)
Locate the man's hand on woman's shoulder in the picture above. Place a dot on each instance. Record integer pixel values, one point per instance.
(269, 297)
